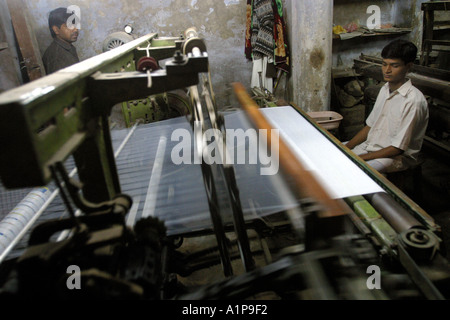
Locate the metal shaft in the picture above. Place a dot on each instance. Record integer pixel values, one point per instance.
(398, 217)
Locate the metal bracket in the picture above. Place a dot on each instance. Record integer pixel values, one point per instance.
(119, 205)
(108, 89)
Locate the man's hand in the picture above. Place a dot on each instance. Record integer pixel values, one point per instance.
(388, 152)
(360, 137)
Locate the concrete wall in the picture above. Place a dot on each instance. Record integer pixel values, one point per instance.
(220, 23)
(310, 37)
(309, 30)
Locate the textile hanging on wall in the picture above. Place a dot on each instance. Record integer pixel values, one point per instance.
(266, 32)
(281, 53)
(248, 31)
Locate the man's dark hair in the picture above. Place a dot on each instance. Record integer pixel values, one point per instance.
(57, 17)
(400, 49)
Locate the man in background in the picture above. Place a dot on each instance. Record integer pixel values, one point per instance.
(61, 53)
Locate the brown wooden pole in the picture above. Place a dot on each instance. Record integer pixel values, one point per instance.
(26, 39)
(301, 180)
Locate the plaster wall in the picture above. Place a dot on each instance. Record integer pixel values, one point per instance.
(400, 13)
(310, 37)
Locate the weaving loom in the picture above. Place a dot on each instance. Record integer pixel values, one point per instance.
(128, 222)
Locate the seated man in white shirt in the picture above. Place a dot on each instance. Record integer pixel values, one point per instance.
(394, 131)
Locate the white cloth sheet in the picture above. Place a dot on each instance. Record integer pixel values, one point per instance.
(339, 176)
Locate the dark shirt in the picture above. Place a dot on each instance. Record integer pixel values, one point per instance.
(59, 55)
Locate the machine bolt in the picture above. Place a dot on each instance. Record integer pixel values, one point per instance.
(178, 57)
(419, 237)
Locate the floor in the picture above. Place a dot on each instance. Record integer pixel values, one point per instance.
(431, 190)
(435, 190)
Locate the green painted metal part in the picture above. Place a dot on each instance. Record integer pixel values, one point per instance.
(151, 108)
(155, 108)
(160, 48)
(385, 234)
(47, 120)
